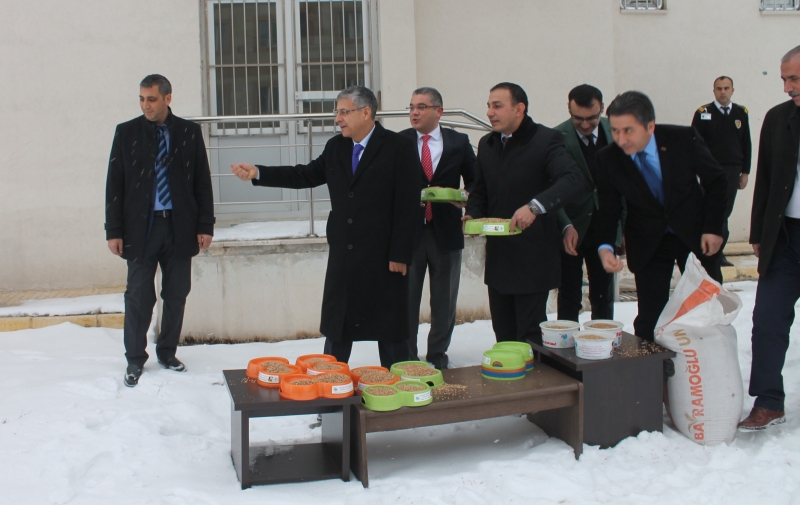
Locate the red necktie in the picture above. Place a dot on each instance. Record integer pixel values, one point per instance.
(427, 167)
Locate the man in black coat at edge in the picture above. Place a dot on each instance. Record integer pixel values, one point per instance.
(373, 179)
(447, 157)
(159, 211)
(775, 235)
(523, 173)
(655, 169)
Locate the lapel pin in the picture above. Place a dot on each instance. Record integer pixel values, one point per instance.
(663, 148)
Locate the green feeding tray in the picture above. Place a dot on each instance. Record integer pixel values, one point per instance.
(434, 379)
(503, 364)
(399, 398)
(443, 195)
(522, 347)
(490, 227)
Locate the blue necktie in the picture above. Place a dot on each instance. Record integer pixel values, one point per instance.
(356, 151)
(651, 177)
(162, 184)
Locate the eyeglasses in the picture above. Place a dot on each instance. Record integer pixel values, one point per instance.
(422, 107)
(344, 112)
(590, 119)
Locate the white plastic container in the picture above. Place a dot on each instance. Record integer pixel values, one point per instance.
(606, 326)
(588, 346)
(558, 333)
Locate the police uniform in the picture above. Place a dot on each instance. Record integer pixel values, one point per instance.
(728, 138)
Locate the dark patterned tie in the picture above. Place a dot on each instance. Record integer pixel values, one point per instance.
(162, 184)
(725, 110)
(356, 151)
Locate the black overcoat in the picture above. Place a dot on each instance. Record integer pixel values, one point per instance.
(694, 194)
(130, 180)
(775, 177)
(372, 222)
(533, 164)
(457, 162)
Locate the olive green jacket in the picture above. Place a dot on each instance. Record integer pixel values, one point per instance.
(579, 212)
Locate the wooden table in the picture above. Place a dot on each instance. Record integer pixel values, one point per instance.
(291, 463)
(623, 396)
(553, 401)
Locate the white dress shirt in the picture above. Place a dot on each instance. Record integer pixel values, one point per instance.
(364, 142)
(584, 139)
(793, 208)
(719, 106)
(435, 144)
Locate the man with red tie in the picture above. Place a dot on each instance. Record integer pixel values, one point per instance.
(446, 157)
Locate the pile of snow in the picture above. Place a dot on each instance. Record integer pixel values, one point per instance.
(95, 304)
(71, 432)
(268, 230)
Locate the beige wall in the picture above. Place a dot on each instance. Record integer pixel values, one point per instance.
(71, 72)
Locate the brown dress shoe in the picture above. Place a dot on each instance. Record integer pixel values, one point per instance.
(761, 419)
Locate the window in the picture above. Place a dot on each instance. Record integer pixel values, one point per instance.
(779, 5)
(641, 5)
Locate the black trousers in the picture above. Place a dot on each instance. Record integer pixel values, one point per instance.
(777, 293)
(445, 274)
(652, 281)
(732, 173)
(140, 295)
(389, 352)
(517, 317)
(601, 284)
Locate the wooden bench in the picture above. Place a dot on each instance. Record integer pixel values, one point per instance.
(551, 399)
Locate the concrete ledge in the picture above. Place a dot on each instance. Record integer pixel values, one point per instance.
(86, 320)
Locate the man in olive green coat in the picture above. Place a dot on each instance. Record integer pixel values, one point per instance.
(585, 132)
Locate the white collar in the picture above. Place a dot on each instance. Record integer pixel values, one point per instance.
(595, 133)
(365, 140)
(719, 106)
(436, 134)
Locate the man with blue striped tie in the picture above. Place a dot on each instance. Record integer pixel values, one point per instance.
(159, 212)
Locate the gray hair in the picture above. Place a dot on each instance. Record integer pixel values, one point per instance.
(432, 93)
(634, 103)
(793, 53)
(361, 96)
(164, 86)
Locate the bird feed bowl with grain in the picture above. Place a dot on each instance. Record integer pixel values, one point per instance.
(606, 326)
(437, 194)
(309, 359)
(523, 347)
(372, 375)
(272, 372)
(381, 398)
(419, 371)
(299, 387)
(490, 226)
(503, 364)
(254, 365)
(328, 367)
(414, 394)
(334, 385)
(594, 344)
(558, 333)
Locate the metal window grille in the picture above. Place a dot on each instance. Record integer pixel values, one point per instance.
(641, 5)
(779, 5)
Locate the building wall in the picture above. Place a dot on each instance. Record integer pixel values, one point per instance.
(71, 73)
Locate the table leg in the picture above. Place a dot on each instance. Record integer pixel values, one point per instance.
(358, 441)
(565, 423)
(336, 438)
(240, 445)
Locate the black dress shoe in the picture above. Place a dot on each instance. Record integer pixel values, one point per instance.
(723, 261)
(132, 374)
(173, 363)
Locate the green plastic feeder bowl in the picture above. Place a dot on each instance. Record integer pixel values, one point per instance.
(523, 347)
(415, 398)
(382, 403)
(503, 364)
(443, 195)
(490, 228)
(433, 380)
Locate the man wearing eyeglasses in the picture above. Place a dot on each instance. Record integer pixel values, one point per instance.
(446, 157)
(372, 177)
(585, 133)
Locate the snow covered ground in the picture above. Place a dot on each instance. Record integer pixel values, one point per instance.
(268, 230)
(71, 432)
(95, 304)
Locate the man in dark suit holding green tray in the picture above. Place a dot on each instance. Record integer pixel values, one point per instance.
(585, 132)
